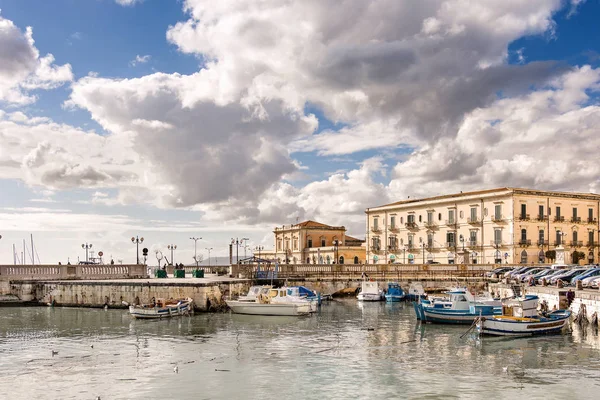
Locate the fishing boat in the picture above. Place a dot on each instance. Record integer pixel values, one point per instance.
(394, 293)
(461, 307)
(369, 291)
(264, 305)
(254, 292)
(520, 317)
(415, 292)
(294, 294)
(161, 308)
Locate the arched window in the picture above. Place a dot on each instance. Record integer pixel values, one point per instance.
(341, 259)
(524, 257)
(439, 216)
(420, 220)
(308, 260)
(356, 260)
(541, 257)
(523, 235)
(591, 257)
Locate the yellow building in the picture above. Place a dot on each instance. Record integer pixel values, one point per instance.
(504, 225)
(311, 242)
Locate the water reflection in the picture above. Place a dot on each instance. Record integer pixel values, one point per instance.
(348, 349)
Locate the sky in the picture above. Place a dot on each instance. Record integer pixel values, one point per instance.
(175, 119)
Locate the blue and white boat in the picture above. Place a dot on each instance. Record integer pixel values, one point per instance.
(520, 317)
(394, 293)
(161, 308)
(415, 292)
(460, 308)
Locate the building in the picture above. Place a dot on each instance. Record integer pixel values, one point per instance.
(311, 242)
(504, 225)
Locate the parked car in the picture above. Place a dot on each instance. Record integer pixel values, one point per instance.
(514, 271)
(590, 272)
(552, 274)
(567, 275)
(587, 282)
(536, 275)
(525, 275)
(500, 271)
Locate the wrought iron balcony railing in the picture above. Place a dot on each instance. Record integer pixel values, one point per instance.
(576, 243)
(525, 242)
(559, 219)
(592, 220)
(524, 217)
(542, 218)
(542, 243)
(473, 220)
(498, 218)
(576, 219)
(411, 225)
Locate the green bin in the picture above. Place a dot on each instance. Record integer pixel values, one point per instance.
(198, 273)
(179, 273)
(159, 273)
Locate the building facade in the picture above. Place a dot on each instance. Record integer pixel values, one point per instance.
(505, 225)
(312, 242)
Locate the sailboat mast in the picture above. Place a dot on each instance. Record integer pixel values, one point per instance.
(14, 254)
(32, 251)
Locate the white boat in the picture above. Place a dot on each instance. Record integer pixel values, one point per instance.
(292, 294)
(369, 291)
(254, 292)
(460, 307)
(162, 308)
(521, 318)
(266, 306)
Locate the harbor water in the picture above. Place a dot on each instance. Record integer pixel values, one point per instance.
(347, 350)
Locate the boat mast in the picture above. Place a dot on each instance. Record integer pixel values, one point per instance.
(32, 251)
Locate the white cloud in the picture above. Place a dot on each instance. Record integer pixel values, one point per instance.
(140, 60)
(128, 3)
(23, 69)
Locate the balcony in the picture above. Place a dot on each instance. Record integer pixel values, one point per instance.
(472, 243)
(394, 228)
(558, 243)
(496, 243)
(375, 249)
(375, 229)
(392, 248)
(430, 225)
(451, 223)
(430, 247)
(542, 218)
(576, 220)
(592, 220)
(576, 243)
(524, 217)
(450, 245)
(525, 242)
(411, 225)
(498, 218)
(592, 244)
(543, 243)
(410, 247)
(474, 221)
(559, 219)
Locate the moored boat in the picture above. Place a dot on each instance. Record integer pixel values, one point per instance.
(394, 293)
(415, 292)
(161, 308)
(461, 307)
(272, 303)
(369, 291)
(521, 318)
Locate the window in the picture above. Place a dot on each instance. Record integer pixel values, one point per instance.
(355, 259)
(393, 222)
(498, 212)
(590, 215)
(420, 220)
(279, 244)
(558, 238)
(309, 242)
(393, 242)
(341, 259)
(473, 214)
(557, 212)
(575, 237)
(376, 224)
(541, 236)
(411, 239)
(574, 213)
(430, 217)
(523, 235)
(451, 239)
(287, 244)
(323, 242)
(410, 219)
(430, 240)
(376, 243)
(541, 212)
(401, 220)
(308, 260)
(498, 236)
(523, 211)
(461, 215)
(450, 216)
(295, 244)
(591, 238)
(524, 257)
(439, 216)
(473, 238)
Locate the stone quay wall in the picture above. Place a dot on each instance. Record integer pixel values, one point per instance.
(62, 272)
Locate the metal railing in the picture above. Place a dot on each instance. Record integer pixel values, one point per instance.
(473, 220)
(559, 219)
(525, 242)
(524, 217)
(59, 272)
(576, 219)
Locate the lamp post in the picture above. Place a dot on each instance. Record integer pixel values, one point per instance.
(159, 256)
(86, 247)
(137, 242)
(238, 242)
(172, 247)
(423, 245)
(209, 249)
(195, 239)
(462, 241)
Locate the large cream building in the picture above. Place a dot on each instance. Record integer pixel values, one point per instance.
(504, 225)
(312, 242)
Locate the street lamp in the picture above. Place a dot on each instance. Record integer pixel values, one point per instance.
(259, 249)
(172, 247)
(159, 256)
(86, 247)
(209, 249)
(137, 242)
(238, 243)
(462, 241)
(195, 239)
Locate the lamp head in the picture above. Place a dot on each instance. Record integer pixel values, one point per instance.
(141, 239)
(83, 246)
(132, 239)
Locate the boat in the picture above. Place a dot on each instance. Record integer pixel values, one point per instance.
(415, 292)
(394, 292)
(254, 292)
(161, 308)
(369, 291)
(461, 307)
(520, 317)
(294, 294)
(265, 306)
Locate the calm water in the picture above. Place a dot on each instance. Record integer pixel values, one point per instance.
(348, 350)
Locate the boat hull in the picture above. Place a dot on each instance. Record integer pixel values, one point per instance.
(160, 312)
(450, 316)
(369, 297)
(291, 309)
(394, 298)
(512, 326)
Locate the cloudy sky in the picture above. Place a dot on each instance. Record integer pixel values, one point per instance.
(220, 119)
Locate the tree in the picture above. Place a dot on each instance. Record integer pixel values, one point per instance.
(551, 255)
